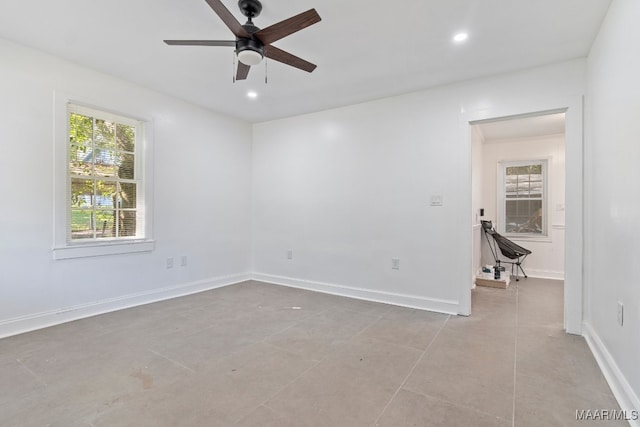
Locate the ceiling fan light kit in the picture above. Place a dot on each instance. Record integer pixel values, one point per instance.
(252, 43)
(249, 51)
(249, 57)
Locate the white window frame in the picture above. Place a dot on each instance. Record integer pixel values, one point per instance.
(501, 199)
(64, 247)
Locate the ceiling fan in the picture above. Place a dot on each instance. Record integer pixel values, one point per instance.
(252, 44)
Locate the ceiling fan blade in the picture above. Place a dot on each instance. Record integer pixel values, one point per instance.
(289, 59)
(243, 71)
(288, 26)
(226, 16)
(201, 42)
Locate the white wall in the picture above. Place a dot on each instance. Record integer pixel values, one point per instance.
(613, 205)
(202, 169)
(547, 258)
(349, 189)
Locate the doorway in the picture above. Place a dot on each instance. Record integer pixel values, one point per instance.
(573, 201)
(518, 173)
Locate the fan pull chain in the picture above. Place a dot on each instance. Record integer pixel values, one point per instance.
(266, 71)
(233, 70)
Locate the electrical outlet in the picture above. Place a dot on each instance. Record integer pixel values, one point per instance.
(620, 313)
(289, 253)
(183, 261)
(395, 263)
(169, 262)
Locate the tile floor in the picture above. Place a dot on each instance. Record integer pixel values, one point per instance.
(255, 354)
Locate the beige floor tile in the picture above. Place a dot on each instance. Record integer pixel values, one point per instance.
(472, 370)
(265, 417)
(552, 354)
(540, 310)
(84, 388)
(544, 402)
(314, 337)
(405, 326)
(349, 388)
(491, 330)
(17, 381)
(412, 409)
(219, 395)
(358, 306)
(335, 398)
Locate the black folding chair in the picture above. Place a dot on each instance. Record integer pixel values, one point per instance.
(507, 248)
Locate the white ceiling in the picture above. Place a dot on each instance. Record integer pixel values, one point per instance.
(523, 127)
(364, 49)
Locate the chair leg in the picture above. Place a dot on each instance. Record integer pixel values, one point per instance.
(521, 269)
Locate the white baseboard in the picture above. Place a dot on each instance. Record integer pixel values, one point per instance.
(544, 274)
(35, 321)
(624, 394)
(411, 301)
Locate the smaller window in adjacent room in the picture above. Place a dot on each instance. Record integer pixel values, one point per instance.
(523, 197)
(104, 176)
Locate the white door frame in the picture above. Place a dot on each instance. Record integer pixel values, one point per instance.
(574, 200)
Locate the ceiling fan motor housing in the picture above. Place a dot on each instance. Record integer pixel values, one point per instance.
(249, 51)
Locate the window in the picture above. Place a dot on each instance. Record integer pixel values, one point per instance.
(103, 176)
(523, 198)
(103, 209)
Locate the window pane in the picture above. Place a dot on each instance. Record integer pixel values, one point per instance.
(105, 194)
(127, 196)
(523, 186)
(81, 193)
(126, 136)
(105, 162)
(80, 160)
(126, 166)
(523, 181)
(104, 134)
(523, 216)
(81, 224)
(525, 170)
(105, 223)
(127, 224)
(80, 129)
(536, 189)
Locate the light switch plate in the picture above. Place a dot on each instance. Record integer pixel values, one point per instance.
(436, 200)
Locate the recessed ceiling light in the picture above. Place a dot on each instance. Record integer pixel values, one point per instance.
(252, 95)
(460, 37)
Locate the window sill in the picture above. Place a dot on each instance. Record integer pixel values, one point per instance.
(519, 238)
(85, 250)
